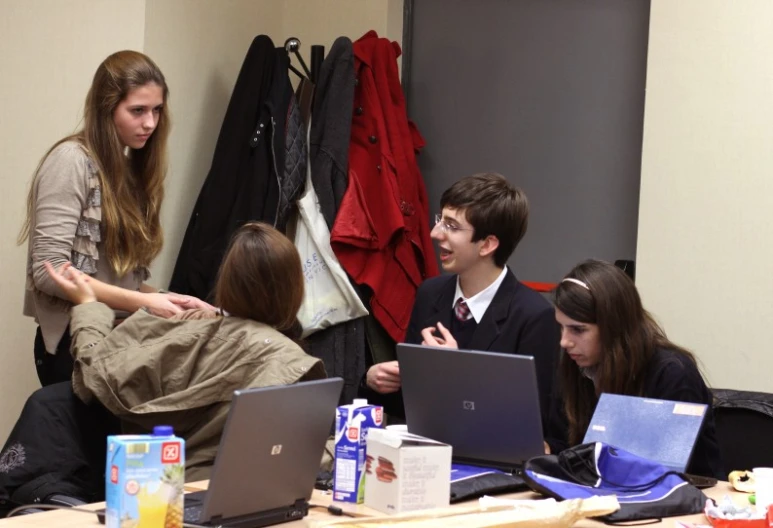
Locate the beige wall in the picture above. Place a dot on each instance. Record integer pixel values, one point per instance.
(200, 46)
(322, 21)
(705, 230)
(50, 50)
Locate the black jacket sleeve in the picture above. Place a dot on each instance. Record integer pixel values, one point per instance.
(541, 338)
(393, 402)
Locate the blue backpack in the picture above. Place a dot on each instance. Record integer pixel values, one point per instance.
(645, 489)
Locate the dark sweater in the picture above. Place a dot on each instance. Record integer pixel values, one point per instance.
(670, 376)
(463, 330)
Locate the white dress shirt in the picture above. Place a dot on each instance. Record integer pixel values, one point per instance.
(479, 303)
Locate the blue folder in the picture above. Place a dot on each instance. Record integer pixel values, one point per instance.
(660, 430)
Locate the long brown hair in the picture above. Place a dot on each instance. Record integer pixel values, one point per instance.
(629, 337)
(132, 189)
(261, 277)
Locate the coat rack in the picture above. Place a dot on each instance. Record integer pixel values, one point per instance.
(292, 45)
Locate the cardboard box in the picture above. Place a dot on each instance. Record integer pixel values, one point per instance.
(406, 472)
(353, 422)
(144, 481)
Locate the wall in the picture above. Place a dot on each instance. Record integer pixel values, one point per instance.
(556, 107)
(48, 52)
(322, 21)
(705, 230)
(200, 46)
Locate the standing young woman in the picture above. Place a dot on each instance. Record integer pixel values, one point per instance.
(612, 344)
(95, 201)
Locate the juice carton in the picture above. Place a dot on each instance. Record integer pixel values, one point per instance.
(145, 475)
(352, 424)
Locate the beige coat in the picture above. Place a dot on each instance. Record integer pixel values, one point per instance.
(150, 371)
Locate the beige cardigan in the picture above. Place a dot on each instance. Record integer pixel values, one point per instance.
(65, 226)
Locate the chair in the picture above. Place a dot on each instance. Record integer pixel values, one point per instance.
(744, 422)
(56, 452)
(56, 500)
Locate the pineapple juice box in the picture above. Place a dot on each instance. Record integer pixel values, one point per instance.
(145, 475)
(351, 463)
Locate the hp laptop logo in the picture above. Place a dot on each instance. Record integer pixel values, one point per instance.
(468, 405)
(276, 450)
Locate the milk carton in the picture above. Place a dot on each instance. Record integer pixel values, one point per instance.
(352, 424)
(145, 475)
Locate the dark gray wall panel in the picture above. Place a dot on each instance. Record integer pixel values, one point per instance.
(551, 94)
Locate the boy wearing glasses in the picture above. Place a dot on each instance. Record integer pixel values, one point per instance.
(479, 304)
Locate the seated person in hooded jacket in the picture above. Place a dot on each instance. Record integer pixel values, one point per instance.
(612, 344)
(183, 371)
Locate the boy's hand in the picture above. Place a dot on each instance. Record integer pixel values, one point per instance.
(384, 378)
(444, 340)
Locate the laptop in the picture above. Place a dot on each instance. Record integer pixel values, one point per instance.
(269, 456)
(485, 404)
(660, 430)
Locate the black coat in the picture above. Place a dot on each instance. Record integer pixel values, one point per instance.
(341, 347)
(331, 128)
(518, 321)
(57, 446)
(247, 169)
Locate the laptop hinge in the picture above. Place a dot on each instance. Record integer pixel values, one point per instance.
(486, 464)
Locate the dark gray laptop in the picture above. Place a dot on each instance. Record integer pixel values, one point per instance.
(269, 456)
(485, 404)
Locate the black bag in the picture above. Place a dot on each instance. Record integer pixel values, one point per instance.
(645, 489)
(468, 482)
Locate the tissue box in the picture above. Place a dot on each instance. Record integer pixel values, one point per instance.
(406, 472)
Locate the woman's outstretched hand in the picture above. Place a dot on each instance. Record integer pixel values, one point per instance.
(73, 282)
(188, 302)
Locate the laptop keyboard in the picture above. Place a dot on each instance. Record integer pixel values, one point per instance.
(192, 514)
(194, 504)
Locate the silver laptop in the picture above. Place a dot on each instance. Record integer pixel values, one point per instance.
(269, 456)
(485, 404)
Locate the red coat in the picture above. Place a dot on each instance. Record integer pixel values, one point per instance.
(381, 231)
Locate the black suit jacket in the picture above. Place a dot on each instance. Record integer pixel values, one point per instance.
(518, 321)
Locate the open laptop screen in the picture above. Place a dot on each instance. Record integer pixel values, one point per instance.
(660, 430)
(269, 453)
(485, 404)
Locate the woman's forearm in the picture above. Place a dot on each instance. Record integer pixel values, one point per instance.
(116, 297)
